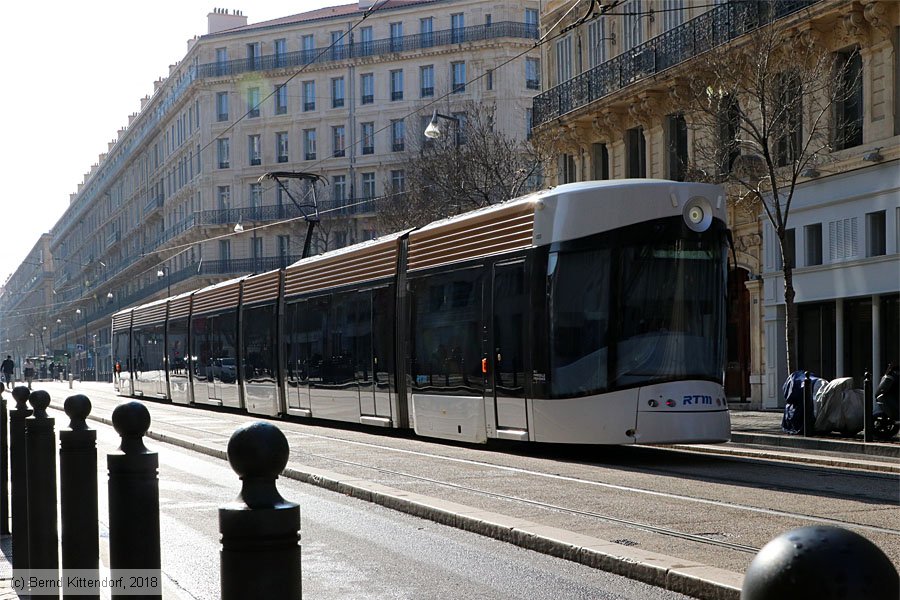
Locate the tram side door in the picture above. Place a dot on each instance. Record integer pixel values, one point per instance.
(508, 324)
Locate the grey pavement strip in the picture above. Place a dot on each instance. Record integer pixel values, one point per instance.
(674, 574)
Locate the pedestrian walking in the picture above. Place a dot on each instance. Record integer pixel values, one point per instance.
(7, 368)
(28, 371)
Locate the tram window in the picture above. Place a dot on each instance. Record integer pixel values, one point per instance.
(305, 332)
(579, 304)
(383, 338)
(350, 329)
(120, 351)
(258, 357)
(671, 312)
(178, 334)
(446, 343)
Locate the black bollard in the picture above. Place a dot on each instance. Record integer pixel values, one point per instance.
(78, 496)
(134, 503)
(40, 476)
(821, 562)
(19, 486)
(260, 555)
(808, 423)
(4, 465)
(868, 409)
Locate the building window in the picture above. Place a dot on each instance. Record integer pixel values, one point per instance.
(221, 61)
(426, 31)
(529, 122)
(284, 248)
(729, 123)
(842, 240)
(398, 181)
(676, 146)
(337, 141)
(632, 21)
(223, 152)
(457, 27)
(489, 79)
(533, 73)
(225, 250)
(255, 195)
(281, 99)
(564, 59)
(567, 169)
(222, 106)
(337, 45)
(531, 21)
(398, 134)
(309, 95)
(367, 85)
(254, 152)
(253, 102)
(365, 40)
(367, 133)
(426, 81)
(309, 144)
(397, 85)
(257, 247)
(848, 106)
(789, 119)
(636, 152)
(673, 14)
(280, 51)
(789, 249)
(597, 41)
(337, 92)
(223, 197)
(281, 146)
(308, 46)
(396, 37)
(253, 55)
(876, 229)
(368, 185)
(812, 235)
(339, 189)
(600, 161)
(459, 127)
(458, 75)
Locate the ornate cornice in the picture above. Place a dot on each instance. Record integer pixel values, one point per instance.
(609, 125)
(881, 16)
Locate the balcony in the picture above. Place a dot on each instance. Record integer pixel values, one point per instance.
(406, 43)
(676, 46)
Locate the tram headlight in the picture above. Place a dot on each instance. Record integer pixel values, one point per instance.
(698, 214)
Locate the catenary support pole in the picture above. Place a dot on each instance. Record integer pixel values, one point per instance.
(260, 555)
(134, 546)
(78, 496)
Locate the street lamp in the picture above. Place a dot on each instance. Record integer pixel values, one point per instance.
(433, 132)
(79, 312)
(163, 271)
(33, 344)
(43, 348)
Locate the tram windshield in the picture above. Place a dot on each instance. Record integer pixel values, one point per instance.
(637, 314)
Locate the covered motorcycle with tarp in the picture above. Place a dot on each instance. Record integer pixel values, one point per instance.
(792, 421)
(839, 407)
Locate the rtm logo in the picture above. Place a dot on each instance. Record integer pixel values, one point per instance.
(697, 399)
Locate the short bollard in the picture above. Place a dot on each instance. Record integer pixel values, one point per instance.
(821, 562)
(868, 409)
(260, 555)
(18, 484)
(40, 474)
(4, 465)
(78, 494)
(134, 502)
(808, 420)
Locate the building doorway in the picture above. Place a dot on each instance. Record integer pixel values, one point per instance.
(737, 367)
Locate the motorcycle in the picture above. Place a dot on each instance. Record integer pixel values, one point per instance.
(886, 413)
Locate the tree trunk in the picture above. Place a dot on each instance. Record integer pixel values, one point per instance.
(790, 317)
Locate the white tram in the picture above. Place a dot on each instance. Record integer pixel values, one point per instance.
(589, 313)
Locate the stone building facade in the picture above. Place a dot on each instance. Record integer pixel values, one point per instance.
(615, 108)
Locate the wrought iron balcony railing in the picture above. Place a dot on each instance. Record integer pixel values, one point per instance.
(704, 32)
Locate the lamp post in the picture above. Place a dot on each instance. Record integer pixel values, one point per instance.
(43, 347)
(33, 344)
(163, 271)
(79, 312)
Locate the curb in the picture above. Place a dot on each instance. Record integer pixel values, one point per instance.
(853, 447)
(670, 573)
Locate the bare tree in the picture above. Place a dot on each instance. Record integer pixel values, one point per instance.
(767, 111)
(472, 165)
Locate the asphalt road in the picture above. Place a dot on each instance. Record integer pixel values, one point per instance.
(351, 548)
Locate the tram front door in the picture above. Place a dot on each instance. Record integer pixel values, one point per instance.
(508, 307)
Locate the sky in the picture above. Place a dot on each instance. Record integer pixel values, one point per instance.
(74, 72)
